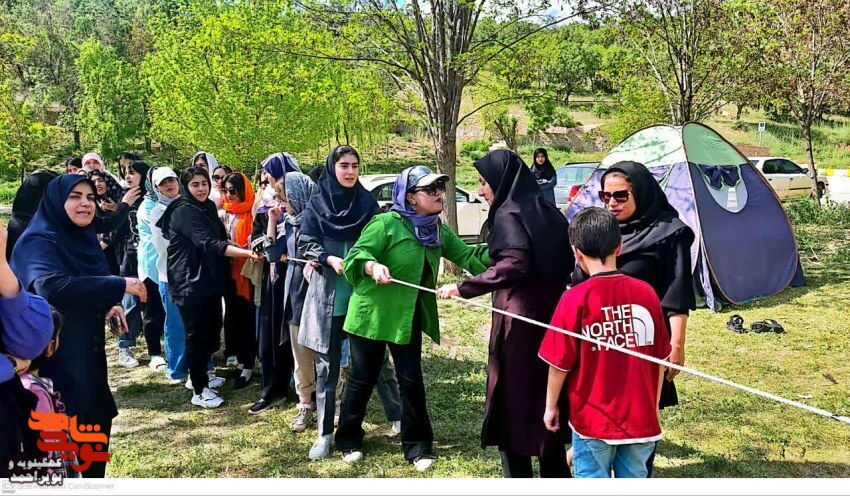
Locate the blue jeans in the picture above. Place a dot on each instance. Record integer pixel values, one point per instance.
(175, 337)
(133, 311)
(595, 459)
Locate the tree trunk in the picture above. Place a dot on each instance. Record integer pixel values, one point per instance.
(445, 146)
(810, 158)
(77, 138)
(739, 111)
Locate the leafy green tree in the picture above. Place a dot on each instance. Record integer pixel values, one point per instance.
(573, 63)
(807, 57)
(433, 50)
(23, 139)
(111, 104)
(688, 46)
(215, 85)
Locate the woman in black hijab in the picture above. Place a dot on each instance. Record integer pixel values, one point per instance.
(197, 274)
(545, 174)
(25, 205)
(330, 225)
(656, 250)
(531, 261)
(59, 258)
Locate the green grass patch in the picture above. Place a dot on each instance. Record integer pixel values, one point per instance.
(715, 432)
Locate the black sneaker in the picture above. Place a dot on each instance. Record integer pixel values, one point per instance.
(264, 405)
(242, 382)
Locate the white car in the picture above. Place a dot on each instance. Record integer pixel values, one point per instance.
(471, 210)
(788, 179)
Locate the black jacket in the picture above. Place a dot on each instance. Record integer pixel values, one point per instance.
(129, 243)
(197, 268)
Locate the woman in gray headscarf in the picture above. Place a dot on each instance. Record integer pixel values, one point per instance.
(276, 354)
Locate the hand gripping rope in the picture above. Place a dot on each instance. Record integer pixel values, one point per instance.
(713, 378)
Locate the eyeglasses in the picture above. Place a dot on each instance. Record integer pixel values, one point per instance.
(231, 191)
(621, 196)
(432, 189)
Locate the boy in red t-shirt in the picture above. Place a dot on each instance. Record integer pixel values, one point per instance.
(613, 396)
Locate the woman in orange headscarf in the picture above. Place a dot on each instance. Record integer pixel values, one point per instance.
(240, 311)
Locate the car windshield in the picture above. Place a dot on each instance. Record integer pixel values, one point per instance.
(574, 174)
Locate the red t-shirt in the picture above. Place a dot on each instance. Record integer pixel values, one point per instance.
(613, 396)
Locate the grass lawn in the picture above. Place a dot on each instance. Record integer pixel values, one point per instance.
(715, 432)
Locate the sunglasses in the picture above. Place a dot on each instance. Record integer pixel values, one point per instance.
(217, 178)
(432, 189)
(621, 196)
(231, 191)
(264, 183)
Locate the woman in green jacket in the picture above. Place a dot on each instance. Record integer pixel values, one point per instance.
(405, 243)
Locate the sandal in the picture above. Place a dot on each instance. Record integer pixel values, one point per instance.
(736, 324)
(767, 325)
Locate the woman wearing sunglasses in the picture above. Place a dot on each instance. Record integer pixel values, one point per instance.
(240, 312)
(405, 243)
(656, 250)
(531, 264)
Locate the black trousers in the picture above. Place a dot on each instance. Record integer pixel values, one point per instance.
(240, 328)
(367, 355)
(275, 350)
(18, 442)
(154, 320)
(551, 466)
(277, 372)
(202, 321)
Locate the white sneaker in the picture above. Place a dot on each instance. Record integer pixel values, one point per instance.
(397, 427)
(232, 361)
(305, 416)
(352, 456)
(158, 364)
(126, 359)
(423, 463)
(207, 399)
(214, 382)
(321, 448)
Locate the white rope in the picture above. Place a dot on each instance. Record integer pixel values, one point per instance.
(601, 344)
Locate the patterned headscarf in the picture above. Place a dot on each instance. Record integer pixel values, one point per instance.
(299, 189)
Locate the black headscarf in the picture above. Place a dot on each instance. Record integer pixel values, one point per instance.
(207, 207)
(114, 191)
(520, 218)
(316, 172)
(53, 244)
(337, 212)
(545, 171)
(654, 220)
(25, 205)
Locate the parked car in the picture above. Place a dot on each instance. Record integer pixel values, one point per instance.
(787, 178)
(471, 210)
(571, 177)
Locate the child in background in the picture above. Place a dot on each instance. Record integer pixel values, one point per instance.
(613, 397)
(49, 400)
